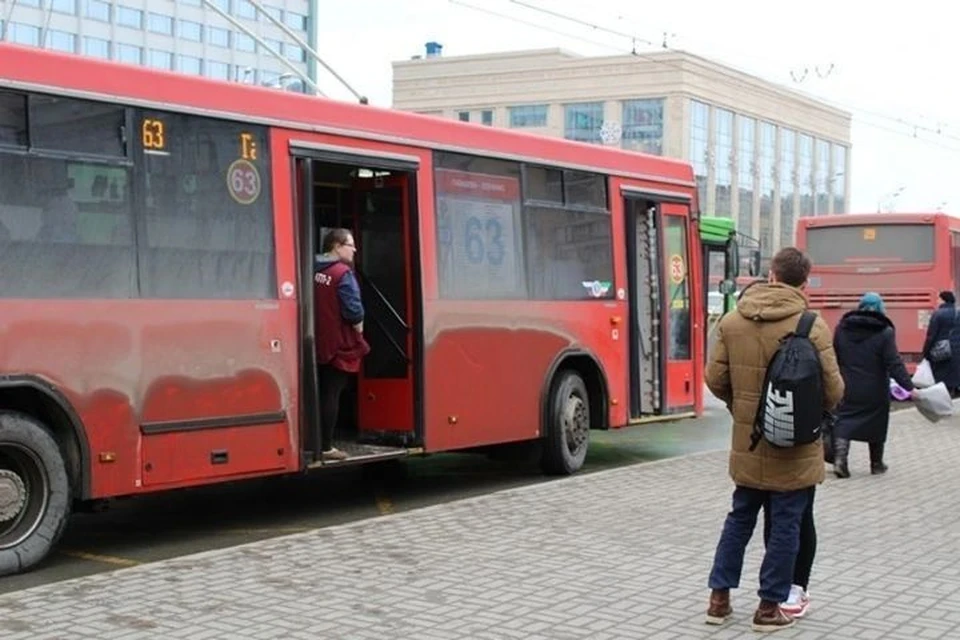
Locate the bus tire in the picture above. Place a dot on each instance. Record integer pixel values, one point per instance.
(567, 428)
(35, 493)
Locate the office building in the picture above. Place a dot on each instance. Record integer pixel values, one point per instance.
(762, 154)
(179, 35)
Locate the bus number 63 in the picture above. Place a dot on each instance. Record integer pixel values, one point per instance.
(484, 240)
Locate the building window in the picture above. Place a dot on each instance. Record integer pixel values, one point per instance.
(838, 179)
(23, 34)
(243, 42)
(295, 21)
(29, 3)
(274, 12)
(160, 59)
(98, 10)
(746, 172)
(294, 53)
(276, 45)
(486, 117)
(805, 175)
(61, 41)
(822, 202)
(245, 10)
(643, 125)
(724, 163)
(582, 121)
(700, 146)
(218, 37)
(768, 183)
(479, 228)
(161, 24)
(530, 115)
(218, 70)
(788, 184)
(190, 64)
(190, 30)
(269, 78)
(128, 17)
(463, 116)
(129, 53)
(64, 6)
(96, 47)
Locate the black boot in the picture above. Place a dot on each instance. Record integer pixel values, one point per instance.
(876, 458)
(841, 447)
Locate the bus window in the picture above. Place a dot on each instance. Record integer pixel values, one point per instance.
(902, 243)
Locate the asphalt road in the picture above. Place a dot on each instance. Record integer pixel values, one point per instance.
(156, 527)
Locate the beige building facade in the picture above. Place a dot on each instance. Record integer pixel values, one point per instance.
(763, 154)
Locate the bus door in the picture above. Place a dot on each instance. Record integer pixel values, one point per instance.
(661, 359)
(677, 326)
(382, 227)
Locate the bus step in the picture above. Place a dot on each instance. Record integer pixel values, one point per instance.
(358, 453)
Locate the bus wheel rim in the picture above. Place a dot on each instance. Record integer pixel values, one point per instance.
(24, 493)
(576, 423)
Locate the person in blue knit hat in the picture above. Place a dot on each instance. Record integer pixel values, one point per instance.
(866, 346)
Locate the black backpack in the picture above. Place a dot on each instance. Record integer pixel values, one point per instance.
(791, 403)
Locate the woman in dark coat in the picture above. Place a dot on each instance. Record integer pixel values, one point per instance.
(940, 327)
(866, 346)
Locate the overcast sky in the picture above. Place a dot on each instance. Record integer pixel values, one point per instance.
(894, 69)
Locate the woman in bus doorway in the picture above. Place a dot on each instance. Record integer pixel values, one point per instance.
(866, 346)
(941, 331)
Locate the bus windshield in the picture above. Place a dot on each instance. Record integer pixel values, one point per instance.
(870, 243)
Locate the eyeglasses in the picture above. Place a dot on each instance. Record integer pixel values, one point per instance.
(352, 246)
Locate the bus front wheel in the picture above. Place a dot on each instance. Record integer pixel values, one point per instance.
(34, 493)
(567, 430)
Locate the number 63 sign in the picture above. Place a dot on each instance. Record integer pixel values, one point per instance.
(243, 182)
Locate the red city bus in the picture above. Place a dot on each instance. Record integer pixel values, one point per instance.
(908, 258)
(158, 238)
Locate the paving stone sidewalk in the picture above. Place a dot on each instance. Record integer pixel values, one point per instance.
(620, 554)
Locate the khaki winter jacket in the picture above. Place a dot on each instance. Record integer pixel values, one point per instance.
(746, 341)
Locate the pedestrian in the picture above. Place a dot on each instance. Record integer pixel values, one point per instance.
(942, 329)
(866, 345)
(785, 477)
(338, 318)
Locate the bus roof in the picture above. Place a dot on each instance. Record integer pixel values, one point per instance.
(845, 219)
(33, 69)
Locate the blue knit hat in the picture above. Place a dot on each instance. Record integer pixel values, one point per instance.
(872, 302)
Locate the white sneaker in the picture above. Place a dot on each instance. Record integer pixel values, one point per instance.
(798, 602)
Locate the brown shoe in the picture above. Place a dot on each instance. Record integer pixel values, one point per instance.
(769, 617)
(333, 454)
(719, 610)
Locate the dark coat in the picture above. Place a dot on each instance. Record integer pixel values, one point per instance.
(941, 323)
(866, 346)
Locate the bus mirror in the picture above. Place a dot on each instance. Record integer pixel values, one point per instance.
(728, 287)
(754, 263)
(732, 260)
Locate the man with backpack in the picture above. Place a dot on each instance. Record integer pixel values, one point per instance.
(774, 367)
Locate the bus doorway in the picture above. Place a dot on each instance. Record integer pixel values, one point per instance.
(379, 416)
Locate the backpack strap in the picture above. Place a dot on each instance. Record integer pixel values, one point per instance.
(807, 318)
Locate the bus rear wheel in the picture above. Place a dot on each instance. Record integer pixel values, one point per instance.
(568, 425)
(34, 493)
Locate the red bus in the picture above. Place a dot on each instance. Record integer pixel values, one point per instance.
(908, 258)
(158, 237)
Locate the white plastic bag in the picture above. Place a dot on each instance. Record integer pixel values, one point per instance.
(923, 377)
(934, 403)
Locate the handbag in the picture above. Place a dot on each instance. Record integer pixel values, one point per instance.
(941, 351)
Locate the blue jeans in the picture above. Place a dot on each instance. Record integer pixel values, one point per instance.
(776, 572)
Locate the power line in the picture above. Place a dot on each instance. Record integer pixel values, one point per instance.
(915, 127)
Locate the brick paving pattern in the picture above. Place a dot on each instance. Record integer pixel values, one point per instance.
(614, 555)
